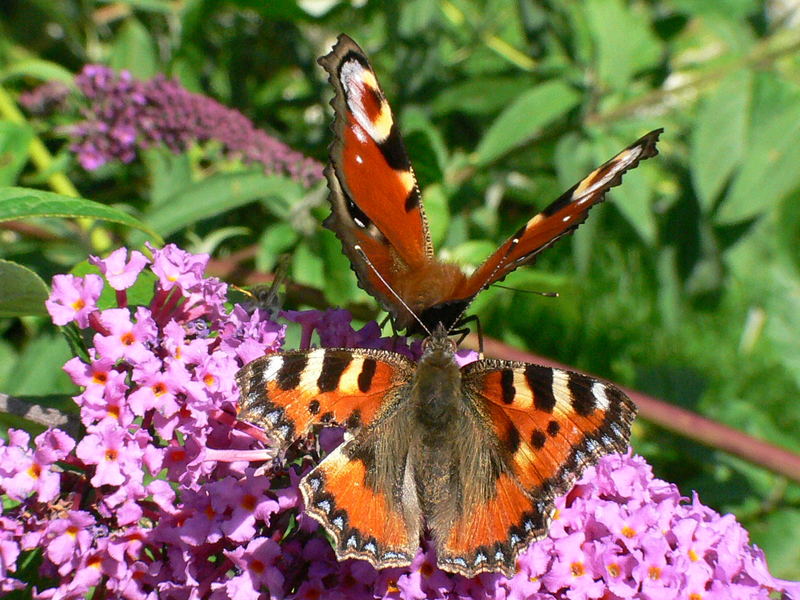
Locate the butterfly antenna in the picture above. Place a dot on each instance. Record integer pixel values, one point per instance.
(537, 292)
(363, 255)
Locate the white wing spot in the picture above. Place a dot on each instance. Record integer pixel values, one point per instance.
(360, 134)
(271, 372)
(359, 160)
(599, 393)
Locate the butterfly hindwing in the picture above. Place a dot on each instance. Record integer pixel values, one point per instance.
(362, 521)
(559, 218)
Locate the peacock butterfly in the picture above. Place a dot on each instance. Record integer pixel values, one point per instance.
(377, 210)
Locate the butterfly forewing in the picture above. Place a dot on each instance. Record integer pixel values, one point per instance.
(560, 218)
(374, 193)
(290, 392)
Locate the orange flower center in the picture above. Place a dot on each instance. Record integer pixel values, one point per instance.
(257, 566)
(249, 502)
(577, 569)
(628, 531)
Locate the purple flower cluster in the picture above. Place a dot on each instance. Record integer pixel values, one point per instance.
(123, 115)
(166, 495)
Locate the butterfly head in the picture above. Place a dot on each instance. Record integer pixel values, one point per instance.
(438, 346)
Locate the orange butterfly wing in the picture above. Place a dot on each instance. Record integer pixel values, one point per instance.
(560, 218)
(551, 424)
(290, 392)
(373, 190)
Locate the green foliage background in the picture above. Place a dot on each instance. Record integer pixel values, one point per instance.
(685, 286)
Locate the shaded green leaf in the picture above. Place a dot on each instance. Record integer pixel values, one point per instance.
(769, 169)
(526, 116)
(15, 141)
(220, 193)
(437, 209)
(470, 96)
(43, 70)
(38, 372)
(24, 203)
(784, 550)
(719, 136)
(22, 292)
(623, 41)
(134, 50)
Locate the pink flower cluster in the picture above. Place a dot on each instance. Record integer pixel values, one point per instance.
(123, 115)
(165, 495)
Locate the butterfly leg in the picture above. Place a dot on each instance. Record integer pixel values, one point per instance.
(464, 331)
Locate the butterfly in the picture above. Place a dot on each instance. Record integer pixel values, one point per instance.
(472, 456)
(378, 215)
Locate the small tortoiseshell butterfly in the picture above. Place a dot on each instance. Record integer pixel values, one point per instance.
(376, 206)
(474, 456)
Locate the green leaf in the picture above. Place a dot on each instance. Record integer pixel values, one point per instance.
(783, 550)
(220, 193)
(769, 169)
(169, 173)
(470, 96)
(24, 203)
(287, 10)
(726, 9)
(38, 371)
(719, 136)
(473, 252)
(35, 68)
(523, 120)
(155, 6)
(437, 209)
(15, 141)
(134, 50)
(623, 41)
(416, 16)
(139, 294)
(22, 292)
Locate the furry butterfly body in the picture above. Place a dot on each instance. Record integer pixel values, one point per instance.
(377, 208)
(472, 455)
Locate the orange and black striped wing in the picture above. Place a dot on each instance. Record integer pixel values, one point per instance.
(560, 218)
(290, 392)
(550, 425)
(363, 519)
(374, 196)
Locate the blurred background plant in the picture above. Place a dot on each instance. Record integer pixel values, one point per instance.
(685, 286)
